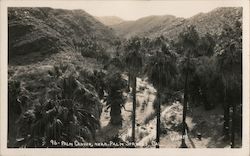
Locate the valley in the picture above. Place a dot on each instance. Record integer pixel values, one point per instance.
(157, 82)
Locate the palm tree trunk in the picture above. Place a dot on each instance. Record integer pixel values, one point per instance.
(115, 114)
(134, 109)
(233, 126)
(129, 79)
(158, 123)
(226, 107)
(184, 125)
(233, 117)
(226, 120)
(184, 112)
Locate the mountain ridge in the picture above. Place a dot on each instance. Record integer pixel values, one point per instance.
(155, 26)
(110, 20)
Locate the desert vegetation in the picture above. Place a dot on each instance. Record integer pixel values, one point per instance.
(138, 92)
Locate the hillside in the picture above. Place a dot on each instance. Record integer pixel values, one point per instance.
(45, 31)
(52, 56)
(171, 26)
(110, 20)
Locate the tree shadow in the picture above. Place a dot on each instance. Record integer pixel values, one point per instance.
(191, 141)
(209, 124)
(107, 133)
(218, 142)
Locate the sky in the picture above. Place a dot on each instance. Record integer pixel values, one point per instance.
(132, 10)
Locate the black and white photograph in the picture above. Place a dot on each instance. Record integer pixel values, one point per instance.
(125, 74)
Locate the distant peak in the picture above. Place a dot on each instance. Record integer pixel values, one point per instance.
(109, 20)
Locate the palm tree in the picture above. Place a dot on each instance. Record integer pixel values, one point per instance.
(188, 40)
(115, 101)
(204, 72)
(162, 71)
(114, 86)
(230, 78)
(65, 118)
(230, 65)
(133, 61)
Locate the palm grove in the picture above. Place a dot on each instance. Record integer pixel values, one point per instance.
(201, 69)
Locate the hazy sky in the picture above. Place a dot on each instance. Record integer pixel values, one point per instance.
(131, 10)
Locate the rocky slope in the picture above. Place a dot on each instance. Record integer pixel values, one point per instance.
(170, 26)
(44, 31)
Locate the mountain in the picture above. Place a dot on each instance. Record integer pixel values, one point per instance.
(146, 26)
(170, 26)
(45, 31)
(110, 20)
